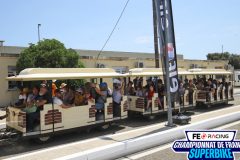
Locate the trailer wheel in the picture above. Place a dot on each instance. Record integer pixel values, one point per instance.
(104, 127)
(42, 139)
(151, 117)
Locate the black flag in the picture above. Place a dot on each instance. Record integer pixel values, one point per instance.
(167, 46)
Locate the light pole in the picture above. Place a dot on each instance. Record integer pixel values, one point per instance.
(1, 46)
(39, 32)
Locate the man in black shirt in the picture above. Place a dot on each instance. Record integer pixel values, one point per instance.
(43, 98)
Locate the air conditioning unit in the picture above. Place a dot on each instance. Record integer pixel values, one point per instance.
(191, 66)
(139, 65)
(100, 65)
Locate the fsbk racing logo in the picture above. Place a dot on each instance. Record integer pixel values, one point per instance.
(210, 136)
(210, 145)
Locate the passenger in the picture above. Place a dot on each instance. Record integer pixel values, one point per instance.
(181, 93)
(191, 87)
(150, 95)
(88, 98)
(140, 82)
(54, 87)
(33, 96)
(22, 99)
(215, 86)
(95, 91)
(43, 98)
(130, 89)
(58, 99)
(161, 92)
(135, 83)
(139, 91)
(102, 98)
(79, 99)
(210, 89)
(200, 85)
(149, 83)
(185, 85)
(230, 89)
(117, 98)
(68, 94)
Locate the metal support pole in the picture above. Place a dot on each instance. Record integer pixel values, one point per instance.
(39, 32)
(157, 65)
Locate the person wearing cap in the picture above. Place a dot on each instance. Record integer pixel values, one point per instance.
(79, 97)
(67, 93)
(117, 98)
(58, 99)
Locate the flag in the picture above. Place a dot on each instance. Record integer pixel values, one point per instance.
(167, 46)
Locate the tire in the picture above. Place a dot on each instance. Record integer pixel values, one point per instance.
(151, 117)
(42, 139)
(104, 127)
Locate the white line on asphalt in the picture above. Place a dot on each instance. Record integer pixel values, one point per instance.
(160, 148)
(102, 137)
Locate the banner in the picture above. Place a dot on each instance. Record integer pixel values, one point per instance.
(167, 46)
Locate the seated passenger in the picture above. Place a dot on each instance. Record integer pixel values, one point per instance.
(161, 92)
(54, 87)
(43, 98)
(22, 99)
(130, 89)
(79, 97)
(139, 91)
(95, 91)
(58, 99)
(150, 94)
(67, 93)
(88, 98)
(181, 93)
(33, 96)
(191, 87)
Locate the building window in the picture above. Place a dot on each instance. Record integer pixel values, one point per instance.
(219, 67)
(12, 85)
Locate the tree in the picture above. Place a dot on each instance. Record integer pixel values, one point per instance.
(49, 53)
(218, 56)
(234, 59)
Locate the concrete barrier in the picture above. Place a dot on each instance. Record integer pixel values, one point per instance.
(120, 149)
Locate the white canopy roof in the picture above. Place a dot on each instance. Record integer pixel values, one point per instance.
(35, 74)
(158, 72)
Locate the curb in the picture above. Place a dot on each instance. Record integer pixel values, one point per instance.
(120, 149)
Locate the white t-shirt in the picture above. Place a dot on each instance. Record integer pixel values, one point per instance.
(117, 96)
(57, 101)
(22, 96)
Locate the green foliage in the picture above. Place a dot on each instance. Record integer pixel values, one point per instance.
(49, 53)
(218, 56)
(234, 59)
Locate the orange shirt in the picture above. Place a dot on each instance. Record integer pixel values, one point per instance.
(54, 87)
(150, 95)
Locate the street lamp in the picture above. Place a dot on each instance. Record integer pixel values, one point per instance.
(39, 32)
